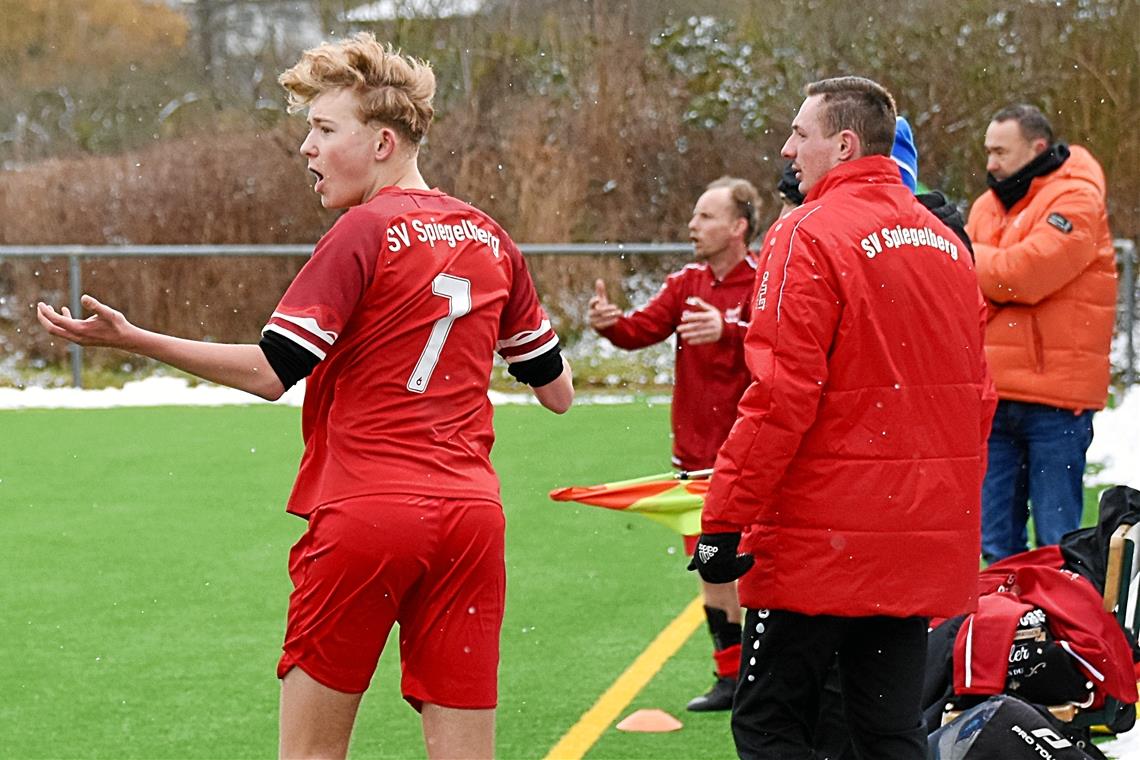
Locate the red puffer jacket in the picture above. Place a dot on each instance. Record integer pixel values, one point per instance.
(1049, 268)
(1075, 617)
(855, 463)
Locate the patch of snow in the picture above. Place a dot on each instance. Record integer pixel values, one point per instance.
(1126, 746)
(1114, 444)
(153, 391)
(386, 10)
(177, 391)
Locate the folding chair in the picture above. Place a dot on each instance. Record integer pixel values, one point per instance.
(1122, 601)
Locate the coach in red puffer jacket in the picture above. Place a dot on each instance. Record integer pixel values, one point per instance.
(856, 461)
(855, 464)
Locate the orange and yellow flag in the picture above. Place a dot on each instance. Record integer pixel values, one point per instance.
(673, 499)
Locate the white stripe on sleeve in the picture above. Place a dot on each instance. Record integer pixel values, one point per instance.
(525, 336)
(536, 352)
(309, 325)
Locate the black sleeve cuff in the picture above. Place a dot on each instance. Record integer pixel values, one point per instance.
(539, 371)
(288, 360)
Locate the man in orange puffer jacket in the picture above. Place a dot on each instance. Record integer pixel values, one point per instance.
(1045, 262)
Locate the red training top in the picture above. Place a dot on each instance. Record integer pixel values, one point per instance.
(709, 378)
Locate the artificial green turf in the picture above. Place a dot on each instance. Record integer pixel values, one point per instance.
(144, 581)
(143, 556)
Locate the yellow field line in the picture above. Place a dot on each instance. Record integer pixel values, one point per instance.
(589, 728)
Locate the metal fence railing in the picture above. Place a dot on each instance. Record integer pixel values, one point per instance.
(1126, 305)
(75, 254)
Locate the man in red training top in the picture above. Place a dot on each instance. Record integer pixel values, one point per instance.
(707, 304)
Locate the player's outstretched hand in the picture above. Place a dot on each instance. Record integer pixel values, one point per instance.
(603, 314)
(105, 326)
(716, 558)
(702, 323)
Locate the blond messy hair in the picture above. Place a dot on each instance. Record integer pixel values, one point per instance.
(391, 88)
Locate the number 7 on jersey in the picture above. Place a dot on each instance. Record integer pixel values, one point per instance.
(457, 291)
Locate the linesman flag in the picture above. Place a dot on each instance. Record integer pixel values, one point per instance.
(673, 499)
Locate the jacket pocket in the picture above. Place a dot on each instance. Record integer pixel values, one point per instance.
(1037, 347)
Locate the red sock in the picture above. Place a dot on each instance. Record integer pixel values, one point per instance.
(727, 661)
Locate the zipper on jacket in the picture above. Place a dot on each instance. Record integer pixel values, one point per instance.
(1038, 345)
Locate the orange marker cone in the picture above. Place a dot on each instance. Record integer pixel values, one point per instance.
(650, 722)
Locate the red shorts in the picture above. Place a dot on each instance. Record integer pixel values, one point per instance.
(433, 565)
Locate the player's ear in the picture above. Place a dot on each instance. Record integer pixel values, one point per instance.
(387, 142)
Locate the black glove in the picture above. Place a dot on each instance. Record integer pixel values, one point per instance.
(716, 559)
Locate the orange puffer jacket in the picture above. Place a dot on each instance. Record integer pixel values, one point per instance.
(1047, 267)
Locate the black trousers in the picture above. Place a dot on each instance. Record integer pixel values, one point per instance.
(784, 663)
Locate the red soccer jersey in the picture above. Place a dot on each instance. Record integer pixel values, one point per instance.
(405, 301)
(710, 378)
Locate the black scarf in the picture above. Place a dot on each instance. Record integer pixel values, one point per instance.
(1012, 189)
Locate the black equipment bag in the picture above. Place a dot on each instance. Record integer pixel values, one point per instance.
(1006, 728)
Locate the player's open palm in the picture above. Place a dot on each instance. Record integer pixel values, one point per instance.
(701, 323)
(105, 326)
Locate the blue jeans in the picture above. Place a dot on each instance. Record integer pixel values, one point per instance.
(1036, 457)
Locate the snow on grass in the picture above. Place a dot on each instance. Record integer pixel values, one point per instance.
(1114, 448)
(176, 391)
